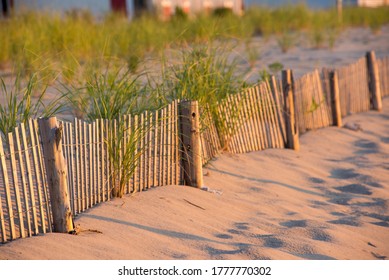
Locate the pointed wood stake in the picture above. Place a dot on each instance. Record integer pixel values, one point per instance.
(374, 81)
(56, 174)
(335, 99)
(191, 151)
(292, 133)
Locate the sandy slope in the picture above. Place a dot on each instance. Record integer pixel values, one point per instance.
(328, 201)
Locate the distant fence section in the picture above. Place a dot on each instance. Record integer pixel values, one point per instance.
(251, 120)
(383, 69)
(107, 158)
(312, 108)
(354, 88)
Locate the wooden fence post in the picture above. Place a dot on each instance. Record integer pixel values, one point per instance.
(56, 173)
(292, 134)
(374, 81)
(335, 99)
(190, 136)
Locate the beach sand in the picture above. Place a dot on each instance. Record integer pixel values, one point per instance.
(330, 200)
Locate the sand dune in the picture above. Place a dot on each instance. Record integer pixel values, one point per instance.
(328, 201)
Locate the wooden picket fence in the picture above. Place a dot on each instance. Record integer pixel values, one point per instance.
(251, 120)
(354, 88)
(210, 141)
(135, 153)
(312, 107)
(144, 148)
(23, 185)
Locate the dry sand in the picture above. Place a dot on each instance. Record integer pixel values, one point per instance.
(330, 200)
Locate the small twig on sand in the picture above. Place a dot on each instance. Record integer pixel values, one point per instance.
(194, 204)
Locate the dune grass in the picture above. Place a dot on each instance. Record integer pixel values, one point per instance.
(24, 101)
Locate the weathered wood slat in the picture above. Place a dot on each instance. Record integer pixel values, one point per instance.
(15, 180)
(8, 200)
(23, 181)
(102, 161)
(98, 161)
(150, 151)
(155, 156)
(38, 186)
(82, 160)
(77, 166)
(43, 177)
(30, 180)
(107, 184)
(136, 151)
(89, 144)
(2, 224)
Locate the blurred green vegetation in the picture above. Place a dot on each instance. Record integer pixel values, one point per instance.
(33, 41)
(97, 61)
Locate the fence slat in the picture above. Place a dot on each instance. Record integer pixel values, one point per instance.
(155, 156)
(94, 164)
(30, 181)
(162, 147)
(15, 180)
(150, 151)
(23, 181)
(2, 224)
(177, 143)
(98, 161)
(71, 168)
(136, 150)
(37, 175)
(169, 145)
(42, 171)
(102, 160)
(77, 166)
(107, 165)
(89, 143)
(8, 200)
(82, 162)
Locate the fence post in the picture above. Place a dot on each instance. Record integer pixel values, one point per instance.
(374, 81)
(190, 136)
(56, 174)
(292, 134)
(335, 99)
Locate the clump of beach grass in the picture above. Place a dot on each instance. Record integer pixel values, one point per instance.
(22, 102)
